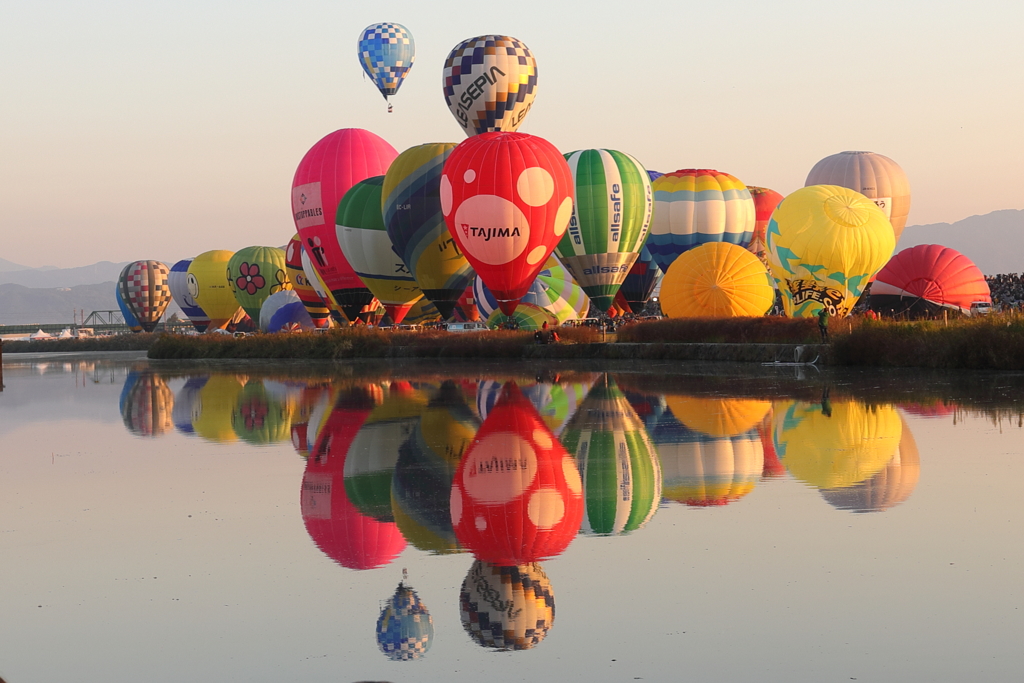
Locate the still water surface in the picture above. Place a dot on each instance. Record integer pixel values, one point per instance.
(506, 523)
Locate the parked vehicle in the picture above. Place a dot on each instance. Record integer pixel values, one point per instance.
(475, 326)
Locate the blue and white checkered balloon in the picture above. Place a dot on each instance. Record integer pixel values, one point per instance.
(386, 52)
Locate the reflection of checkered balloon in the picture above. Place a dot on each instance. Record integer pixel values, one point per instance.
(507, 607)
(405, 627)
(386, 52)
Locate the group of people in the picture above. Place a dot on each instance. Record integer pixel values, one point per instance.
(1007, 290)
(546, 336)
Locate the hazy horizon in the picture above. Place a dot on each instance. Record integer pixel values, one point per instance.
(140, 130)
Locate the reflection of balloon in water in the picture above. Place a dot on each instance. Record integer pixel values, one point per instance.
(327, 171)
(370, 463)
(411, 205)
(177, 280)
(257, 418)
(517, 493)
(489, 83)
(507, 200)
(386, 53)
(765, 201)
(890, 487)
(336, 526)
(254, 273)
(421, 487)
(617, 462)
(284, 312)
(825, 243)
(405, 628)
(555, 403)
(144, 289)
(701, 470)
(875, 176)
(718, 416)
(214, 408)
(208, 285)
(315, 306)
(367, 247)
(836, 446)
(186, 404)
(641, 280)
(695, 206)
(716, 280)
(507, 607)
(924, 280)
(610, 219)
(130, 321)
(147, 404)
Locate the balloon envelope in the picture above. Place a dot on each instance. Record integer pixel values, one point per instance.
(923, 280)
(177, 280)
(327, 171)
(317, 310)
(610, 220)
(694, 206)
(208, 285)
(489, 83)
(129, 318)
(507, 200)
(765, 201)
(641, 280)
(507, 607)
(875, 176)
(825, 243)
(255, 273)
(284, 312)
(144, 289)
(405, 628)
(716, 280)
(386, 53)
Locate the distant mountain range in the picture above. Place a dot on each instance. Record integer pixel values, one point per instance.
(994, 241)
(48, 277)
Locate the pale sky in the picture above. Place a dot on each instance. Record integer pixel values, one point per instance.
(164, 129)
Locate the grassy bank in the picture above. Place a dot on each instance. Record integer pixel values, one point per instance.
(774, 330)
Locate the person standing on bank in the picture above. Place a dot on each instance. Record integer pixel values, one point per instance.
(823, 324)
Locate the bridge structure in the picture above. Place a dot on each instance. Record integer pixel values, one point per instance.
(100, 322)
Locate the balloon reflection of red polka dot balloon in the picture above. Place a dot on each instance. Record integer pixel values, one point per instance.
(507, 200)
(517, 495)
(336, 526)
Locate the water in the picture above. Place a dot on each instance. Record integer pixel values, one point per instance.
(258, 522)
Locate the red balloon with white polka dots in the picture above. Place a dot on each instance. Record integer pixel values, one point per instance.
(517, 496)
(507, 200)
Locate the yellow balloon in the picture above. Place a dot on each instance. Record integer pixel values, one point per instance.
(718, 416)
(716, 280)
(217, 400)
(825, 243)
(835, 445)
(208, 285)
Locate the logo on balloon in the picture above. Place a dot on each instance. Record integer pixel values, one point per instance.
(307, 216)
(808, 290)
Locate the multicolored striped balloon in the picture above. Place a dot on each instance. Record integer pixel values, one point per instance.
(318, 311)
(411, 205)
(610, 220)
(694, 206)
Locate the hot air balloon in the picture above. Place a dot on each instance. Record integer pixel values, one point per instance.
(364, 241)
(924, 280)
(344, 534)
(315, 306)
(147, 404)
(405, 628)
(370, 463)
(836, 445)
(144, 289)
(327, 171)
(427, 461)
(875, 176)
(765, 201)
(640, 281)
(489, 83)
(386, 53)
(208, 285)
(554, 290)
(130, 321)
(507, 607)
(716, 280)
(214, 407)
(284, 312)
(507, 200)
(617, 462)
(517, 493)
(609, 223)
(825, 243)
(526, 317)
(316, 282)
(654, 175)
(411, 204)
(255, 273)
(890, 487)
(423, 311)
(177, 280)
(694, 206)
